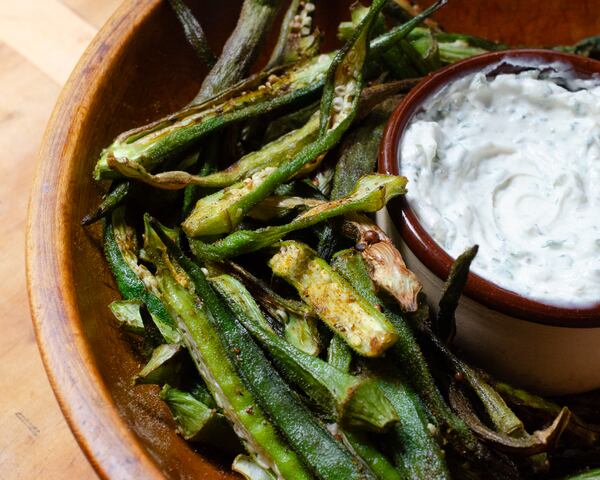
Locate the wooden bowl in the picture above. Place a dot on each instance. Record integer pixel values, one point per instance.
(137, 69)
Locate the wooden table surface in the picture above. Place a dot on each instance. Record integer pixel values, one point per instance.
(40, 43)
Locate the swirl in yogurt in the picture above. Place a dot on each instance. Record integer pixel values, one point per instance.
(512, 163)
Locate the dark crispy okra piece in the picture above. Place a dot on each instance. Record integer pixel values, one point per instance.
(445, 323)
(113, 199)
(193, 32)
(241, 48)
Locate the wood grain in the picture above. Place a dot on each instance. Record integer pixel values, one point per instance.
(35, 440)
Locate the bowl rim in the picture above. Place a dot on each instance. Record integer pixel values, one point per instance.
(108, 442)
(420, 242)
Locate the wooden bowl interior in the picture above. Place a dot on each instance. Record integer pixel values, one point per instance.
(155, 72)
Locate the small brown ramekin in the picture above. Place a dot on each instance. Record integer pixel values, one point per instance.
(420, 242)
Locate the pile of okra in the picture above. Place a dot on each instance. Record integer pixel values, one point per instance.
(279, 322)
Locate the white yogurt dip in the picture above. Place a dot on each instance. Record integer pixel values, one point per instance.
(512, 163)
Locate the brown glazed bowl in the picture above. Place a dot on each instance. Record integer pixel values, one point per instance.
(486, 301)
(138, 68)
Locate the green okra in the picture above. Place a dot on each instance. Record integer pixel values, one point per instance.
(163, 366)
(417, 454)
(204, 342)
(239, 299)
(300, 322)
(445, 322)
(298, 39)
(198, 423)
(339, 354)
(113, 199)
(144, 148)
(416, 451)
(270, 155)
(337, 303)
(249, 469)
(411, 362)
(302, 333)
(371, 193)
(339, 103)
(134, 281)
(424, 50)
(241, 48)
(193, 32)
(324, 455)
(353, 401)
(369, 454)
(128, 315)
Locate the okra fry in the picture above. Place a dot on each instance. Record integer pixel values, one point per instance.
(299, 320)
(418, 455)
(241, 48)
(309, 438)
(588, 434)
(204, 342)
(339, 102)
(272, 154)
(353, 401)
(371, 193)
(337, 303)
(128, 315)
(149, 145)
(193, 32)
(134, 281)
(339, 354)
(298, 39)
